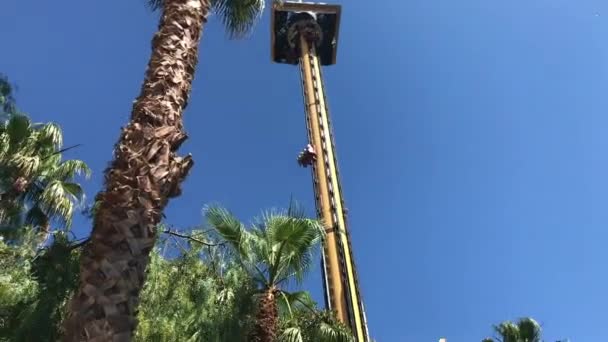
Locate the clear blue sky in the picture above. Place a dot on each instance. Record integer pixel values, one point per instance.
(471, 136)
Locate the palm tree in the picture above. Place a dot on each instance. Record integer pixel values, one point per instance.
(35, 185)
(275, 250)
(146, 171)
(524, 330)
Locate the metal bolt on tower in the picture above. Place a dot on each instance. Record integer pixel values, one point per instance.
(306, 34)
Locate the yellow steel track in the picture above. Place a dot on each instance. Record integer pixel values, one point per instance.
(340, 275)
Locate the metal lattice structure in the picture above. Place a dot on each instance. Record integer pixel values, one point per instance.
(306, 34)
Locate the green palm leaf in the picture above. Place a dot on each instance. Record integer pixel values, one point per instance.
(229, 228)
(18, 128)
(292, 334)
(69, 169)
(332, 333)
(508, 331)
(75, 190)
(238, 16)
(290, 302)
(51, 133)
(296, 238)
(4, 145)
(524, 330)
(529, 330)
(25, 165)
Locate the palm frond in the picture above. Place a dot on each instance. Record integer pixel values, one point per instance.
(36, 217)
(155, 4)
(295, 210)
(225, 296)
(238, 16)
(4, 145)
(51, 160)
(529, 329)
(297, 266)
(297, 238)
(333, 333)
(292, 334)
(33, 181)
(69, 169)
(290, 302)
(298, 233)
(18, 128)
(51, 132)
(54, 201)
(10, 214)
(26, 165)
(75, 190)
(229, 228)
(508, 331)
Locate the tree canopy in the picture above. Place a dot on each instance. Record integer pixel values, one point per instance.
(196, 291)
(37, 187)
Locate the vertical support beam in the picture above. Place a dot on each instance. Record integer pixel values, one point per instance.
(342, 284)
(336, 202)
(335, 289)
(315, 186)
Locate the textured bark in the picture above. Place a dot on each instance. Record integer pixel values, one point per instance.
(267, 319)
(145, 173)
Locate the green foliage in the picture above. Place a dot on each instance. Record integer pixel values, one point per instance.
(37, 188)
(34, 295)
(7, 102)
(525, 329)
(311, 325)
(279, 247)
(196, 290)
(208, 292)
(16, 283)
(238, 16)
(301, 321)
(197, 296)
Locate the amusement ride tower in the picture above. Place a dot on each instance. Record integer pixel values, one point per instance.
(306, 34)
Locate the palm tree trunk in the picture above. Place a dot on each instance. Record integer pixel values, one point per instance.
(145, 173)
(267, 318)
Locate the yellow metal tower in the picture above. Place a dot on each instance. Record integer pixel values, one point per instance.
(306, 34)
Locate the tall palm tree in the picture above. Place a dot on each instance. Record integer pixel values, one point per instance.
(35, 185)
(524, 330)
(274, 251)
(145, 172)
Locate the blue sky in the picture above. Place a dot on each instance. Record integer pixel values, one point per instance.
(471, 136)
